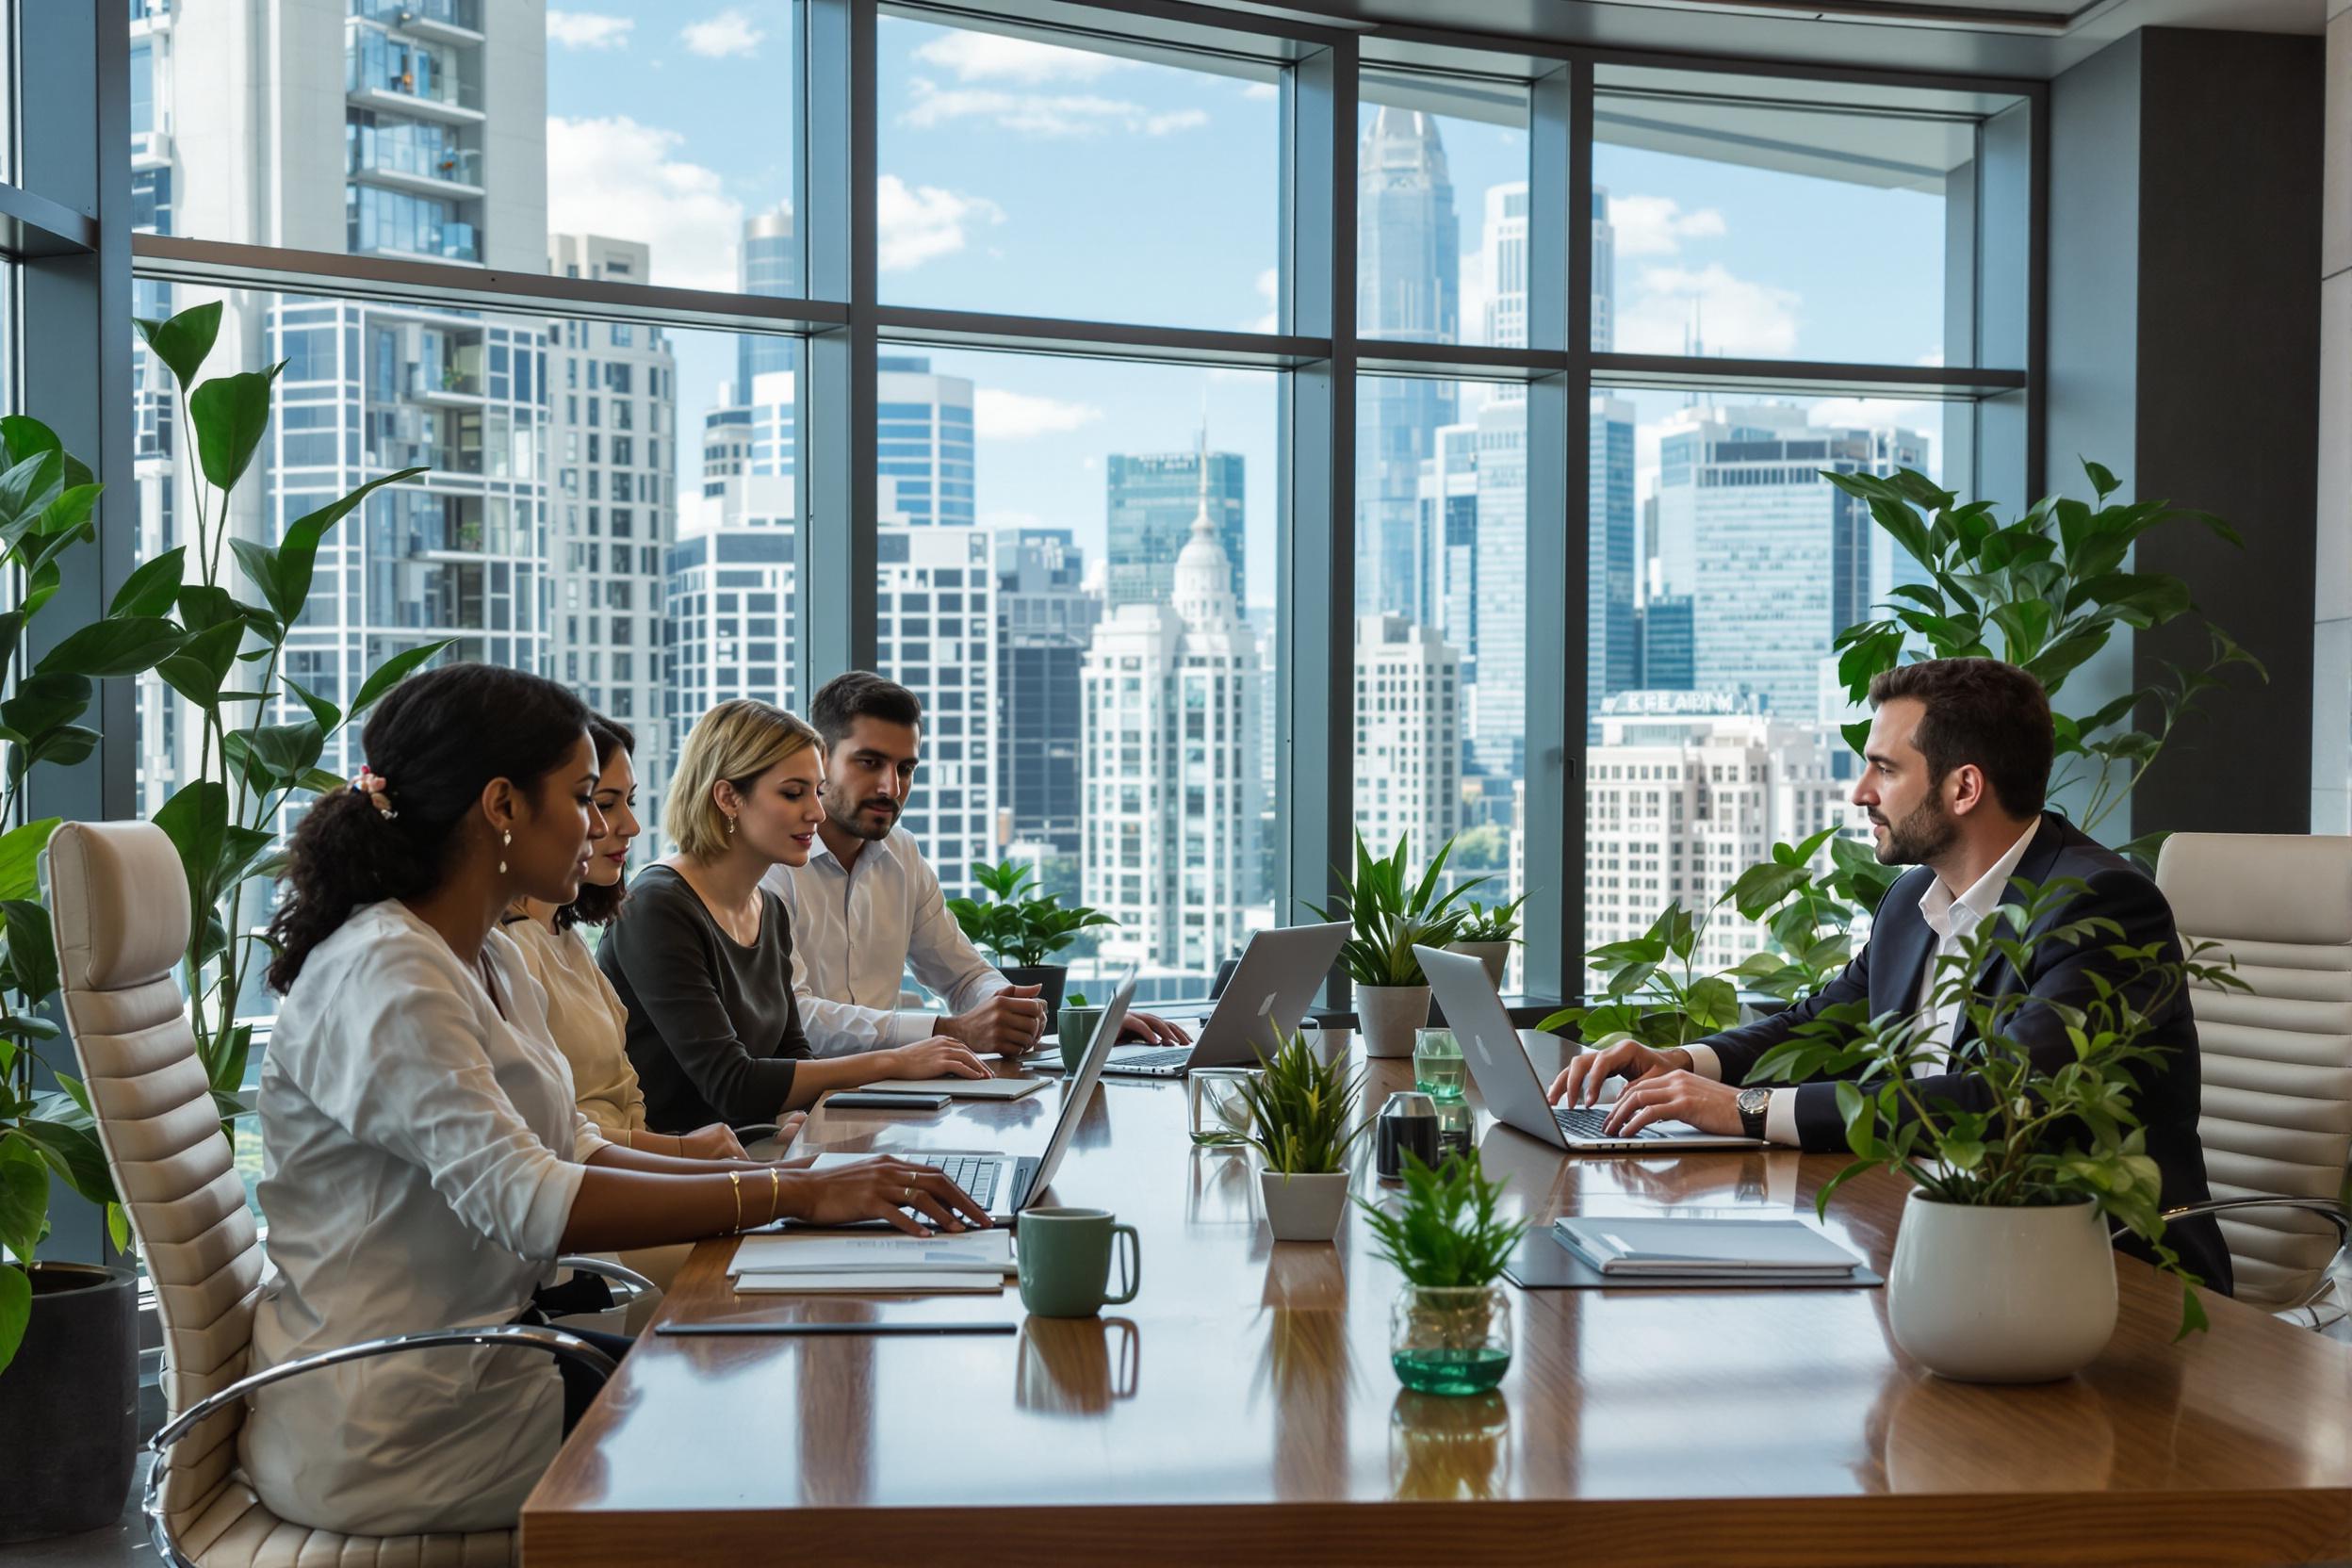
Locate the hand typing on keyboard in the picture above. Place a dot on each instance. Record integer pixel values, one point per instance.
(1659, 1087)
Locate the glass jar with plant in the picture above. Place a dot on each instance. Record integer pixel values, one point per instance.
(1303, 1123)
(1488, 934)
(2004, 1269)
(1393, 912)
(1022, 929)
(1450, 1328)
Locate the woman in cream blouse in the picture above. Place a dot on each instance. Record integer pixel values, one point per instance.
(423, 1161)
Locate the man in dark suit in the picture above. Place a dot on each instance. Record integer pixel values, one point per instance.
(1954, 775)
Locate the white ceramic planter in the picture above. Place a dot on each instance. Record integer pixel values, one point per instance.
(1304, 1208)
(2002, 1295)
(1493, 954)
(1387, 1016)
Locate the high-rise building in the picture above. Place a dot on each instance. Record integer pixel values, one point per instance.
(1687, 789)
(1173, 780)
(432, 147)
(924, 445)
(936, 621)
(1613, 657)
(768, 264)
(730, 613)
(1408, 736)
(1408, 288)
(1776, 560)
(1151, 500)
(1045, 618)
(1668, 645)
(613, 445)
(1449, 518)
(1497, 731)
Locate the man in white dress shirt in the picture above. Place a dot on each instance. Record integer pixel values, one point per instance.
(866, 906)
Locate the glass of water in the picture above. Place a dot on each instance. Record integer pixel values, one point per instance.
(1221, 1113)
(1437, 1067)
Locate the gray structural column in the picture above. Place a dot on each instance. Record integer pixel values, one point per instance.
(2331, 609)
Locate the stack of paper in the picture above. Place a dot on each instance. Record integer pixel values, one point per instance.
(873, 1264)
(1762, 1251)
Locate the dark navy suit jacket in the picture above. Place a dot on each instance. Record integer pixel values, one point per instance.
(1887, 974)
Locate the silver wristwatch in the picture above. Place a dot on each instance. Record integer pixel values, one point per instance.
(1754, 1103)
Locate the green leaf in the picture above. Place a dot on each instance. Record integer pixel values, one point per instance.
(32, 957)
(69, 512)
(74, 1154)
(2102, 480)
(64, 746)
(150, 591)
(391, 672)
(196, 819)
(203, 662)
(230, 414)
(42, 702)
(183, 341)
(16, 1310)
(329, 716)
(20, 858)
(24, 1197)
(113, 647)
(298, 552)
(289, 750)
(25, 487)
(1857, 735)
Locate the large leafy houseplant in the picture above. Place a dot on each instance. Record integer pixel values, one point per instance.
(2050, 1134)
(1392, 912)
(259, 732)
(1020, 930)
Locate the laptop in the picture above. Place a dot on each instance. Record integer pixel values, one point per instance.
(1270, 991)
(1514, 1092)
(1004, 1185)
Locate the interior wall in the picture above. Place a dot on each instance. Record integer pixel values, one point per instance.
(2331, 596)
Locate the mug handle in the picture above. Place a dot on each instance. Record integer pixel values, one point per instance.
(1129, 1351)
(1133, 1272)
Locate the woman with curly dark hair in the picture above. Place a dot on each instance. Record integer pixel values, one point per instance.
(423, 1162)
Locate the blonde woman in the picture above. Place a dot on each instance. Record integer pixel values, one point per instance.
(701, 955)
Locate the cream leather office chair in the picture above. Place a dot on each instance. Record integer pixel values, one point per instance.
(2276, 1117)
(119, 903)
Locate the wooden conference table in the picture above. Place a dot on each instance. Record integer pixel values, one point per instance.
(1243, 1409)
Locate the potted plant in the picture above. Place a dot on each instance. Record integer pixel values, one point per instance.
(1022, 930)
(1652, 989)
(1303, 1123)
(1488, 935)
(1074, 1025)
(1391, 914)
(1450, 1328)
(2003, 1270)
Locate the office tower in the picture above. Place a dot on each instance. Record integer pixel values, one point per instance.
(923, 444)
(1408, 736)
(730, 621)
(1172, 775)
(430, 147)
(1667, 644)
(769, 264)
(1687, 789)
(1503, 262)
(1449, 516)
(1407, 288)
(750, 453)
(936, 621)
(1776, 560)
(1614, 653)
(1045, 617)
(1498, 725)
(1151, 500)
(612, 396)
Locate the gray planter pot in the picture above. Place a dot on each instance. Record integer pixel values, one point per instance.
(1387, 1016)
(1302, 1207)
(1052, 977)
(1493, 954)
(69, 1404)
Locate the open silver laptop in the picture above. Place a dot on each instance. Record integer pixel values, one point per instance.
(1514, 1091)
(1270, 991)
(1002, 1183)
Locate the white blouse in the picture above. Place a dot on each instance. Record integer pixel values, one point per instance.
(588, 1021)
(421, 1157)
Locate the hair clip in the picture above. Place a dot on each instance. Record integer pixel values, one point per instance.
(377, 790)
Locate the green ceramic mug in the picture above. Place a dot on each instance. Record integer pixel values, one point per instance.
(1065, 1260)
(1075, 1029)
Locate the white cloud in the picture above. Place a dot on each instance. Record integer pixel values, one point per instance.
(1732, 315)
(1040, 114)
(993, 58)
(614, 176)
(1927, 418)
(1011, 519)
(1470, 297)
(1270, 290)
(1656, 225)
(1017, 416)
(588, 30)
(920, 222)
(1262, 90)
(731, 32)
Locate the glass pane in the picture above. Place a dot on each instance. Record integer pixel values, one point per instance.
(1771, 220)
(472, 131)
(1441, 211)
(1052, 179)
(1440, 655)
(1723, 566)
(1095, 661)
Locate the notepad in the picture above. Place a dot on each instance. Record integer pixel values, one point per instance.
(1690, 1247)
(875, 1282)
(883, 1252)
(959, 1088)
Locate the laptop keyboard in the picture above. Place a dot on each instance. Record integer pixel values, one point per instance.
(974, 1173)
(1170, 1056)
(1589, 1122)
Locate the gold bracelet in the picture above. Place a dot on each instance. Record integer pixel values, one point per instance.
(775, 1196)
(735, 1180)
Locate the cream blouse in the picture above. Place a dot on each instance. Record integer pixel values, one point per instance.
(588, 1021)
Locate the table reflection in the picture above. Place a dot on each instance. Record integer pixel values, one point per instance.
(1077, 1366)
(1443, 1449)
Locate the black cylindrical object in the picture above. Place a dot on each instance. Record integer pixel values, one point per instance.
(69, 1404)
(1408, 1122)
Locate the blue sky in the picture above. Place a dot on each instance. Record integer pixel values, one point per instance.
(1057, 182)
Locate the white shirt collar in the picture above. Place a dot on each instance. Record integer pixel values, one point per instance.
(1983, 897)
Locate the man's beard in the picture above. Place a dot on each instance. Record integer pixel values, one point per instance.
(1917, 838)
(854, 820)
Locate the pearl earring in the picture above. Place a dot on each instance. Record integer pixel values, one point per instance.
(506, 837)
(731, 827)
